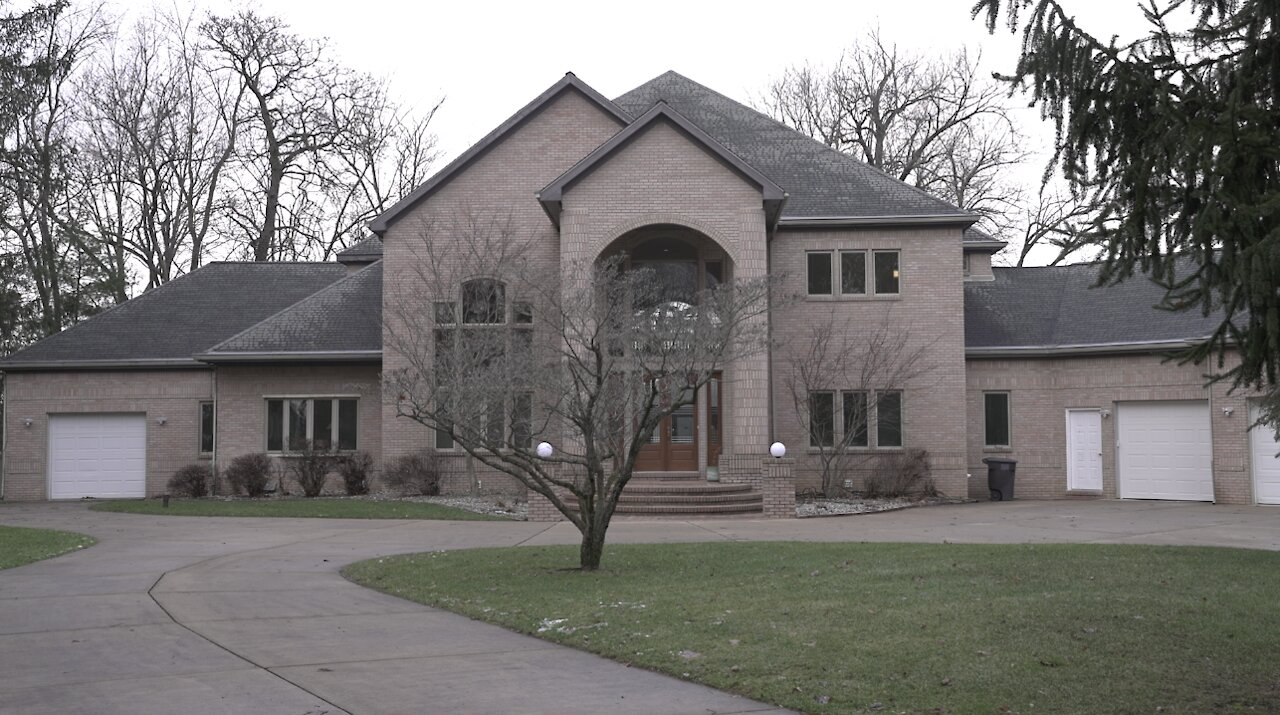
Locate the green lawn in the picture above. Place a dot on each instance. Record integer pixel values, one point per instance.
(895, 627)
(20, 546)
(320, 508)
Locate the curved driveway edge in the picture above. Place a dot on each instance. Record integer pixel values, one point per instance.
(202, 614)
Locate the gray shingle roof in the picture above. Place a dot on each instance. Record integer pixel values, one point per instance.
(366, 250)
(821, 181)
(182, 317)
(345, 317)
(1058, 307)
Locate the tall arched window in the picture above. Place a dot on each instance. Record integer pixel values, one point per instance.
(484, 302)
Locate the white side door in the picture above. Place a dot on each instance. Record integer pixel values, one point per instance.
(1266, 467)
(1084, 450)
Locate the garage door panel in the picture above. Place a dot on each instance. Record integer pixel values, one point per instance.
(1166, 450)
(97, 455)
(1266, 466)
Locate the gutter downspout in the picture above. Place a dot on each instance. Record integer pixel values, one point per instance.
(213, 457)
(4, 438)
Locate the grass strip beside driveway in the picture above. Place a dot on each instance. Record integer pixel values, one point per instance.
(319, 508)
(912, 628)
(20, 545)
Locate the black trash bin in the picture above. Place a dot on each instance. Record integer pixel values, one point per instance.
(1000, 471)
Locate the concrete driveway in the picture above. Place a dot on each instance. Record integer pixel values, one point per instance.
(209, 615)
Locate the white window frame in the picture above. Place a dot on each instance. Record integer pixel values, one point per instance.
(311, 421)
(213, 408)
(869, 274)
(1008, 416)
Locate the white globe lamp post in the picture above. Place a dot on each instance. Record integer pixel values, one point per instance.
(778, 450)
(545, 450)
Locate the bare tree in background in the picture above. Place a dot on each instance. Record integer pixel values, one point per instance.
(1057, 220)
(496, 354)
(298, 107)
(158, 136)
(841, 358)
(383, 154)
(39, 224)
(931, 122)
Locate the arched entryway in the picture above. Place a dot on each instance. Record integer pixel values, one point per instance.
(683, 263)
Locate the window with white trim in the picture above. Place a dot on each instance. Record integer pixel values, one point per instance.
(846, 424)
(324, 423)
(996, 419)
(490, 331)
(853, 273)
(207, 425)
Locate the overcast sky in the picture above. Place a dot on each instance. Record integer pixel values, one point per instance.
(488, 59)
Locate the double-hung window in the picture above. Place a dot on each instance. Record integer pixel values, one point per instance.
(853, 273)
(322, 423)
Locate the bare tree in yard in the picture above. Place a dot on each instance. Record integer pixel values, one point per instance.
(159, 134)
(838, 356)
(931, 122)
(498, 354)
(41, 51)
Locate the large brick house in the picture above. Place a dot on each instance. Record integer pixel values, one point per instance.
(1028, 363)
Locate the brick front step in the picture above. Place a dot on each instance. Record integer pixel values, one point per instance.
(629, 497)
(686, 494)
(755, 507)
(668, 476)
(699, 488)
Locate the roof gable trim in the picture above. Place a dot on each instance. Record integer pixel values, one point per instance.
(569, 82)
(552, 196)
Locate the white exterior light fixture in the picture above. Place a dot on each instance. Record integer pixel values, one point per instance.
(778, 450)
(545, 449)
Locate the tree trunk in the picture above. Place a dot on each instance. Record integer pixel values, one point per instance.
(592, 545)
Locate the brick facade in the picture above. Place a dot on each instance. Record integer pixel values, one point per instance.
(1041, 390)
(242, 410)
(929, 308)
(171, 395)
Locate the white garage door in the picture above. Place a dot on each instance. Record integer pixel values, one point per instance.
(97, 455)
(1266, 467)
(1165, 450)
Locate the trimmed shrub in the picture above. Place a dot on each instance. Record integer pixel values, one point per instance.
(413, 474)
(902, 474)
(355, 471)
(193, 480)
(311, 465)
(249, 474)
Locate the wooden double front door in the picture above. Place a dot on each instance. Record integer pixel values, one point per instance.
(674, 445)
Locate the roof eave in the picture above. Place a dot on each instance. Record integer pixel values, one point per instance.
(291, 356)
(985, 246)
(1027, 351)
(961, 220)
(382, 222)
(131, 364)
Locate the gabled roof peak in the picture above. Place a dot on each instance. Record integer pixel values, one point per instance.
(553, 194)
(570, 81)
